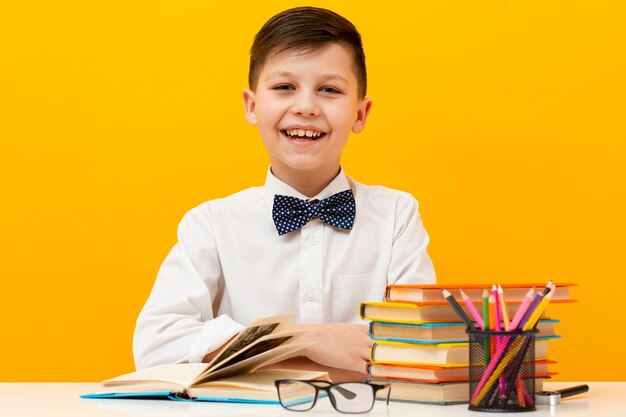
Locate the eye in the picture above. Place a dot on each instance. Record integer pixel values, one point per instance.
(329, 89)
(283, 87)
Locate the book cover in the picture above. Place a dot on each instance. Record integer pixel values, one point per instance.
(430, 294)
(447, 332)
(443, 393)
(442, 354)
(414, 313)
(436, 374)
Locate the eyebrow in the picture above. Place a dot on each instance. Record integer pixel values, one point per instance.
(325, 77)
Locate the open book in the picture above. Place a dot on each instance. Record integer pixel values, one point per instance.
(227, 377)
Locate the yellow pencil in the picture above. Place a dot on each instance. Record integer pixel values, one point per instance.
(534, 317)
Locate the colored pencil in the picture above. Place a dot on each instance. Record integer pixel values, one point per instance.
(486, 343)
(494, 293)
(530, 310)
(473, 311)
(547, 288)
(492, 326)
(503, 309)
(520, 390)
(486, 308)
(521, 310)
(497, 340)
(530, 324)
(458, 309)
(492, 312)
(493, 372)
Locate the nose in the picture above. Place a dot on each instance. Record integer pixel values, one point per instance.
(306, 104)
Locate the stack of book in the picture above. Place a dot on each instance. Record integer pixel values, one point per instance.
(420, 346)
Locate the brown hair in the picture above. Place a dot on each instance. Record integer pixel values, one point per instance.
(306, 29)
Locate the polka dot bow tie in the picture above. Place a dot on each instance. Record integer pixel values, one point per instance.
(291, 213)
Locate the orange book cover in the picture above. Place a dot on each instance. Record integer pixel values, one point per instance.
(430, 294)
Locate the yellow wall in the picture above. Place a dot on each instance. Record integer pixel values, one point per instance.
(504, 118)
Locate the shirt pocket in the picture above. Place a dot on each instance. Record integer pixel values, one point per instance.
(350, 290)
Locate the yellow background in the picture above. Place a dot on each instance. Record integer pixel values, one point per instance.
(505, 119)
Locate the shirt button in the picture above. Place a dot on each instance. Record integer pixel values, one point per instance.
(310, 295)
(313, 241)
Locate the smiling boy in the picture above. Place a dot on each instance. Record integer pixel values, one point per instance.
(305, 106)
(311, 240)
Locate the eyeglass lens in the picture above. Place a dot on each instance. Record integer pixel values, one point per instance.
(349, 397)
(297, 395)
(352, 397)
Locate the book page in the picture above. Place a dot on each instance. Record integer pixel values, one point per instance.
(253, 386)
(253, 332)
(263, 379)
(251, 363)
(259, 346)
(181, 374)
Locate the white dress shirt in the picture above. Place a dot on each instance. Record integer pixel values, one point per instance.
(230, 267)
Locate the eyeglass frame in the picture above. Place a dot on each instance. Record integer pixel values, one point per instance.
(327, 387)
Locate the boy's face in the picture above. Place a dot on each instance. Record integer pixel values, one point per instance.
(305, 106)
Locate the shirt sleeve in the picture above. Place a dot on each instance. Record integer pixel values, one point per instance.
(410, 263)
(177, 323)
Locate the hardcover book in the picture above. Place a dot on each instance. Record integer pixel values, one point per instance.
(414, 313)
(443, 354)
(431, 293)
(447, 332)
(229, 377)
(436, 374)
(444, 393)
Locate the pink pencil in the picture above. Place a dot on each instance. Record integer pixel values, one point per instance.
(521, 310)
(473, 311)
(494, 292)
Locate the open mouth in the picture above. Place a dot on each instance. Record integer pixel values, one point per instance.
(303, 134)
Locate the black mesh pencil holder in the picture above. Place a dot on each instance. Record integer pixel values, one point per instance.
(502, 371)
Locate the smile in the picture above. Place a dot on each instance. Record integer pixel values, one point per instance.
(303, 134)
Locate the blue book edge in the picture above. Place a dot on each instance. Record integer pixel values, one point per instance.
(146, 394)
(172, 396)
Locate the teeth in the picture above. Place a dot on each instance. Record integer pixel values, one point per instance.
(304, 133)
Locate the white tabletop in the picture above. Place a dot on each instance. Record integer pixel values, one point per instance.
(604, 399)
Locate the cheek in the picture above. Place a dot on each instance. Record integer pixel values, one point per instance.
(268, 123)
(341, 118)
(269, 112)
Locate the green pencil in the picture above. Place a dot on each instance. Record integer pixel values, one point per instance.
(486, 309)
(486, 342)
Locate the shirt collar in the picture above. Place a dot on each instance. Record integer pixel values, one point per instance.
(275, 186)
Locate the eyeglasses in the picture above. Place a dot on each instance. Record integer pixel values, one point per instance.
(347, 397)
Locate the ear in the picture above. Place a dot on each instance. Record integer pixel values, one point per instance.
(249, 101)
(361, 116)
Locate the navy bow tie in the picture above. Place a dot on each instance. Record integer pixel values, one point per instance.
(291, 213)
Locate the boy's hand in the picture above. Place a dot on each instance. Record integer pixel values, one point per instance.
(337, 345)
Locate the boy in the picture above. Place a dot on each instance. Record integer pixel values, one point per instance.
(249, 255)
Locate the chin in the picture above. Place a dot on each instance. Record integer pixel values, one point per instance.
(303, 166)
